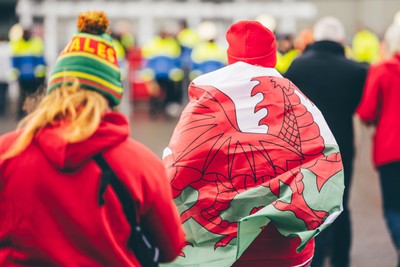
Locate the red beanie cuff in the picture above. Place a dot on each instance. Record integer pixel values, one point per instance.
(268, 60)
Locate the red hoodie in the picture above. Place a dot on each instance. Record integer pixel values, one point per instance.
(380, 104)
(49, 209)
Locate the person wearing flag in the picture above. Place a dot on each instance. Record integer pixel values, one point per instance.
(255, 171)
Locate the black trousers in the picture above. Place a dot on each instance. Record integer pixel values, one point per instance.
(390, 184)
(171, 92)
(27, 88)
(3, 97)
(335, 242)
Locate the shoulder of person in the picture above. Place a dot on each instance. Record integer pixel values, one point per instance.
(356, 64)
(134, 163)
(134, 152)
(351, 66)
(7, 139)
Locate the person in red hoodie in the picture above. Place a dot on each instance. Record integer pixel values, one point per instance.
(56, 207)
(379, 106)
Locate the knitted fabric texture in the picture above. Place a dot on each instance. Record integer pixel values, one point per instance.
(251, 42)
(91, 58)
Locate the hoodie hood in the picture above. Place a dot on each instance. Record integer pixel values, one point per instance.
(394, 63)
(113, 130)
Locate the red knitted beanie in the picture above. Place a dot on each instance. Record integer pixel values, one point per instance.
(251, 42)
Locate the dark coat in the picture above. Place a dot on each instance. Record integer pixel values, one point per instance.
(335, 84)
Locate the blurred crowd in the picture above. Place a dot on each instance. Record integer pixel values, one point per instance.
(160, 70)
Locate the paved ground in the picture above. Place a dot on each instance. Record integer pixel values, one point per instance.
(371, 246)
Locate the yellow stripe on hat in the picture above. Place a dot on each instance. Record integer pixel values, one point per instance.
(85, 54)
(79, 74)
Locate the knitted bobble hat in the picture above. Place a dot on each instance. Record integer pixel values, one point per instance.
(249, 41)
(91, 58)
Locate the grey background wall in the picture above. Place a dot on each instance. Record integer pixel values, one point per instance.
(377, 15)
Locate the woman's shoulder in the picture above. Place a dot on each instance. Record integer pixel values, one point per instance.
(132, 152)
(137, 167)
(7, 139)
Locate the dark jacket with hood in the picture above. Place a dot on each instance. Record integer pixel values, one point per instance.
(50, 213)
(334, 83)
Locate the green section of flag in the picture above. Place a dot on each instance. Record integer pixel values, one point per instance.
(202, 252)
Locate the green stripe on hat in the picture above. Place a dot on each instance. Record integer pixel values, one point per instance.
(84, 64)
(111, 95)
(89, 68)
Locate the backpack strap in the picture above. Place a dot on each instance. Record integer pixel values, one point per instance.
(110, 178)
(106, 175)
(146, 253)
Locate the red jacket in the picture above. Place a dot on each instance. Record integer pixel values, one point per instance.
(380, 104)
(49, 209)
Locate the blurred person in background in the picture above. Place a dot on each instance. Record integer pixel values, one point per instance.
(380, 107)
(188, 38)
(292, 47)
(287, 52)
(123, 41)
(207, 55)
(396, 18)
(268, 21)
(288, 48)
(121, 49)
(29, 66)
(162, 65)
(304, 39)
(385, 51)
(365, 46)
(5, 72)
(255, 170)
(139, 90)
(334, 83)
(57, 206)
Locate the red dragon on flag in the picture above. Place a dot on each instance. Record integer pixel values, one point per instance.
(238, 135)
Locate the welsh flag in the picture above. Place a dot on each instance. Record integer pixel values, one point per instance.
(250, 149)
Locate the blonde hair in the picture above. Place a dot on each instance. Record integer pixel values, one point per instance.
(80, 109)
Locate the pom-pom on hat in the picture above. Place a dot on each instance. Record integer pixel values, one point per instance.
(249, 41)
(91, 58)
